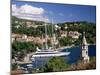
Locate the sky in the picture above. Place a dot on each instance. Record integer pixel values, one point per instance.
(52, 12)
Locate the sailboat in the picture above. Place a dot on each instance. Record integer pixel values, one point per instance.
(49, 52)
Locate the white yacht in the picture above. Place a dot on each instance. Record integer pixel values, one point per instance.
(49, 52)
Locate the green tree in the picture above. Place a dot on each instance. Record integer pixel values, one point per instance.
(23, 48)
(65, 41)
(55, 64)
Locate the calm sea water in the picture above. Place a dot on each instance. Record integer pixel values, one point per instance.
(75, 54)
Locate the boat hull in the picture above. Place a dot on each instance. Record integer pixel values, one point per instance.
(51, 54)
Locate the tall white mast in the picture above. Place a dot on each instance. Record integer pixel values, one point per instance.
(45, 34)
(42, 42)
(53, 35)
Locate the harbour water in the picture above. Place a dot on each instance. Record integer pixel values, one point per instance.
(73, 57)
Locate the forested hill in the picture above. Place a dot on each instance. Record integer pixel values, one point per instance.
(79, 26)
(36, 28)
(15, 19)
